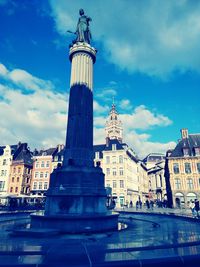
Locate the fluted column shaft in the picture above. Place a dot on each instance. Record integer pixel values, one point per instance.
(79, 140)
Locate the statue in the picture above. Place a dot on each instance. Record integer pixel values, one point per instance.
(83, 33)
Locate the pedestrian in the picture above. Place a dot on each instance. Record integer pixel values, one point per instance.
(137, 205)
(140, 204)
(196, 203)
(147, 204)
(192, 208)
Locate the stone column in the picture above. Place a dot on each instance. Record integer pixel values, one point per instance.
(79, 139)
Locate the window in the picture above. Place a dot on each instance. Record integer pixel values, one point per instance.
(45, 185)
(2, 172)
(198, 167)
(197, 151)
(37, 165)
(14, 170)
(121, 171)
(114, 159)
(19, 169)
(41, 175)
(2, 184)
(34, 185)
(47, 164)
(107, 171)
(46, 175)
(114, 183)
(121, 183)
(16, 189)
(107, 159)
(190, 183)
(114, 172)
(120, 159)
(11, 189)
(177, 183)
(108, 183)
(176, 168)
(185, 151)
(187, 168)
(4, 162)
(56, 158)
(42, 164)
(96, 155)
(40, 185)
(114, 147)
(36, 174)
(13, 179)
(17, 179)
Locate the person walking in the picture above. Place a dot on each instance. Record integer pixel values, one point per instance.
(196, 203)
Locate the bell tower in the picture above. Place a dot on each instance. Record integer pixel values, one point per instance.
(114, 125)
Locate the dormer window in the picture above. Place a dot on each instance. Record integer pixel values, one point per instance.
(197, 151)
(185, 151)
(96, 155)
(114, 147)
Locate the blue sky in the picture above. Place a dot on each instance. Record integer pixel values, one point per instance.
(148, 59)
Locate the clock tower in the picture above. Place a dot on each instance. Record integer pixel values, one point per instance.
(114, 125)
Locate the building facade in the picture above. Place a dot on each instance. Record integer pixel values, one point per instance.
(21, 171)
(183, 170)
(6, 156)
(42, 168)
(120, 164)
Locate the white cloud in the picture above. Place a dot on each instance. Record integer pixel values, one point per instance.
(153, 37)
(143, 146)
(37, 115)
(3, 70)
(142, 118)
(99, 108)
(125, 104)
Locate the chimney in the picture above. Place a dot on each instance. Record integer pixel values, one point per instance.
(60, 147)
(184, 133)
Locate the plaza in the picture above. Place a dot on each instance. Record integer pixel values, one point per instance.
(150, 239)
(118, 191)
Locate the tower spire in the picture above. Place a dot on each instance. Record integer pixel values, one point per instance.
(114, 125)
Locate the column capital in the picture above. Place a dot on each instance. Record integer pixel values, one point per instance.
(83, 47)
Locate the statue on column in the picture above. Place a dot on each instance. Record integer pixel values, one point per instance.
(82, 32)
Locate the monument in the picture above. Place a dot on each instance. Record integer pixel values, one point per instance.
(76, 198)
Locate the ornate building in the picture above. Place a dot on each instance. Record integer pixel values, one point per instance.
(182, 170)
(155, 163)
(42, 168)
(20, 171)
(6, 156)
(120, 164)
(44, 162)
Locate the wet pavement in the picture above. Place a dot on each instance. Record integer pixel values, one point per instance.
(149, 240)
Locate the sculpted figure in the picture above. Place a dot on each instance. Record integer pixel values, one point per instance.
(82, 32)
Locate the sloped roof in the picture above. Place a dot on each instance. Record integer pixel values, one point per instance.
(192, 142)
(47, 152)
(23, 154)
(154, 157)
(108, 147)
(13, 149)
